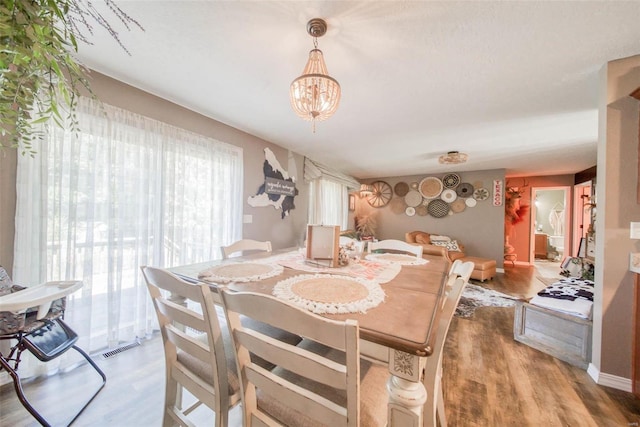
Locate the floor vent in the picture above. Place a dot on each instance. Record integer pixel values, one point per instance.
(118, 350)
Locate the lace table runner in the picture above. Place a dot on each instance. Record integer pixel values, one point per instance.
(240, 272)
(330, 293)
(402, 259)
(381, 272)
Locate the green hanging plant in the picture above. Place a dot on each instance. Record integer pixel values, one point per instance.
(40, 79)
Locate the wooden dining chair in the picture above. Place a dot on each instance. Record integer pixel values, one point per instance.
(462, 269)
(397, 246)
(432, 380)
(320, 382)
(245, 245)
(194, 348)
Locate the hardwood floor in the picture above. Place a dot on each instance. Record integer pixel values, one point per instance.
(489, 380)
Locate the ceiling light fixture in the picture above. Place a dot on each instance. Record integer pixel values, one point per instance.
(453, 158)
(315, 95)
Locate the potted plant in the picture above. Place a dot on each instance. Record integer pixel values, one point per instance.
(40, 79)
(366, 226)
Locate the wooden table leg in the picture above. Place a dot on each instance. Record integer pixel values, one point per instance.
(407, 394)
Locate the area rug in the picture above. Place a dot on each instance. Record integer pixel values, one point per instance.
(475, 296)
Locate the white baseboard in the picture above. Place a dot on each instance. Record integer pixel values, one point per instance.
(608, 380)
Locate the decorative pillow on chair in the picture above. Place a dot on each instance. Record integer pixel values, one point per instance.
(451, 245)
(423, 238)
(435, 239)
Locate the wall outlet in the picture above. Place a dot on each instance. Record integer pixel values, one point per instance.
(634, 230)
(247, 219)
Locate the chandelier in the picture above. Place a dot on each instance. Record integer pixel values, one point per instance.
(315, 95)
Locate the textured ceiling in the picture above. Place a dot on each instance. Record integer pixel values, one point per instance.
(513, 84)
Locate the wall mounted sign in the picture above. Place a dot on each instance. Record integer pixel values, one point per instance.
(497, 192)
(278, 189)
(279, 186)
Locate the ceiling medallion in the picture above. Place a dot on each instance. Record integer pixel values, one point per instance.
(453, 158)
(315, 95)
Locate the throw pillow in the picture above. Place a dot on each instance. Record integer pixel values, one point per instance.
(423, 238)
(453, 246)
(435, 238)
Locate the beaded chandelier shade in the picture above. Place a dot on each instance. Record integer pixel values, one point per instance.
(315, 95)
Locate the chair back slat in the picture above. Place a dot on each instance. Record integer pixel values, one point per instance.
(245, 245)
(262, 309)
(301, 362)
(180, 314)
(297, 398)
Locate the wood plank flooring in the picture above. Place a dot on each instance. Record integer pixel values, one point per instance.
(489, 380)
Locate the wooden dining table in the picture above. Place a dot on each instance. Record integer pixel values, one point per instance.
(397, 332)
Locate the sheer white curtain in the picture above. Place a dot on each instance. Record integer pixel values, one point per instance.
(328, 203)
(123, 192)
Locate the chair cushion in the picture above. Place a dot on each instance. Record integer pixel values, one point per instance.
(373, 392)
(203, 370)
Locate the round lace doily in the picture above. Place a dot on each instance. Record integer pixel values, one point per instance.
(330, 293)
(240, 272)
(402, 259)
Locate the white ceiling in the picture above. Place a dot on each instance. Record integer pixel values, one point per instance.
(513, 84)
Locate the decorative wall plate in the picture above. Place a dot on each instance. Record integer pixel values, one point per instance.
(451, 180)
(381, 195)
(401, 189)
(422, 210)
(430, 187)
(464, 190)
(397, 205)
(438, 208)
(481, 194)
(458, 206)
(410, 211)
(448, 195)
(413, 198)
(414, 185)
(470, 201)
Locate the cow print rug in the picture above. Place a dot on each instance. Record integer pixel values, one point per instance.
(475, 296)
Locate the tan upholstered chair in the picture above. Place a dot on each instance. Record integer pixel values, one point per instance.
(397, 246)
(245, 245)
(424, 239)
(320, 382)
(434, 406)
(197, 362)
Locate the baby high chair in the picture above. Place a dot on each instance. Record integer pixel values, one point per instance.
(33, 318)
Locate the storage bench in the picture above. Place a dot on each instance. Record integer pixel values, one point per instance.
(561, 335)
(483, 268)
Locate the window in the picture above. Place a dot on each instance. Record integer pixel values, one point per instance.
(328, 203)
(124, 192)
(328, 194)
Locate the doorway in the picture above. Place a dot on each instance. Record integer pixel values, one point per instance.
(550, 228)
(582, 213)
